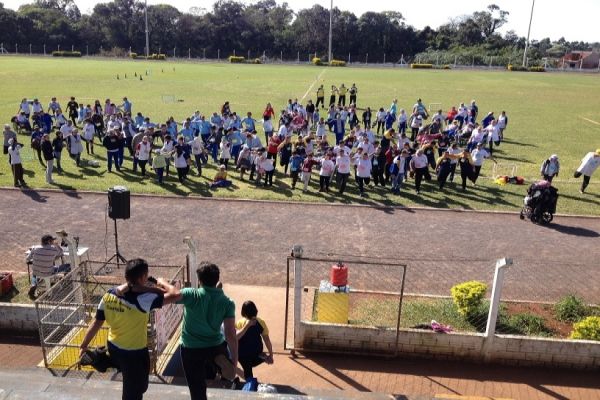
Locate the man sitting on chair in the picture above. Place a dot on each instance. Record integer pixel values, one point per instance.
(42, 260)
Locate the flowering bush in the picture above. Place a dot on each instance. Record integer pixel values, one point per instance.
(587, 329)
(467, 296)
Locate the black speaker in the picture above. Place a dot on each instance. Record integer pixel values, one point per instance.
(118, 202)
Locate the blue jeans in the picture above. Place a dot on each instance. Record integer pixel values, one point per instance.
(57, 269)
(214, 149)
(159, 174)
(397, 182)
(235, 151)
(113, 156)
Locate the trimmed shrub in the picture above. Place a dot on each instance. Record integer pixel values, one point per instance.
(66, 54)
(157, 56)
(587, 329)
(537, 69)
(421, 66)
(133, 55)
(317, 61)
(255, 61)
(337, 63)
(468, 296)
(236, 59)
(517, 68)
(570, 309)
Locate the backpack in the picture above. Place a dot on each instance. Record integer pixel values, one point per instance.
(394, 169)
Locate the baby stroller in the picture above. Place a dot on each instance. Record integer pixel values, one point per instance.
(540, 203)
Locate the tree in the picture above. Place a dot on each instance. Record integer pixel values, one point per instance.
(490, 20)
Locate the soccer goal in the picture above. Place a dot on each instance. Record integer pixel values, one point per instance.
(433, 107)
(168, 98)
(504, 169)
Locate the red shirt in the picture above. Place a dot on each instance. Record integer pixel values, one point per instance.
(274, 143)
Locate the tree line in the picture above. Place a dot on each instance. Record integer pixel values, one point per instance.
(264, 27)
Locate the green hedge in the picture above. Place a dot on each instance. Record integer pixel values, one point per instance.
(66, 54)
(236, 59)
(421, 66)
(154, 56)
(519, 68)
(255, 61)
(337, 63)
(317, 61)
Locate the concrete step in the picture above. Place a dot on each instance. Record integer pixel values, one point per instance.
(39, 383)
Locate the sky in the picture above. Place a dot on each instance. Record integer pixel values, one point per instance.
(574, 20)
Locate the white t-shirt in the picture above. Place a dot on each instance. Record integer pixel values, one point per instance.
(88, 131)
(197, 146)
(363, 167)
(144, 151)
(327, 167)
(37, 107)
(479, 155)
(343, 164)
(15, 154)
(589, 164)
(266, 164)
(268, 126)
(420, 161)
(283, 131)
(66, 130)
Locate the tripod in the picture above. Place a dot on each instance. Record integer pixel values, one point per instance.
(117, 256)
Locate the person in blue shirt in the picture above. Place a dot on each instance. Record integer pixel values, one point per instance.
(339, 128)
(196, 121)
(236, 122)
(389, 121)
(216, 120)
(487, 120)
(187, 132)
(249, 123)
(394, 108)
(126, 106)
(139, 120)
(235, 138)
(204, 129)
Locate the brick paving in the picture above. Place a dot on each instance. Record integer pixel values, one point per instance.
(250, 240)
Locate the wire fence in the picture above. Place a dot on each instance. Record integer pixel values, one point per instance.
(439, 59)
(417, 294)
(66, 309)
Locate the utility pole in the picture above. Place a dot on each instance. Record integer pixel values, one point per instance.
(528, 33)
(330, 30)
(146, 23)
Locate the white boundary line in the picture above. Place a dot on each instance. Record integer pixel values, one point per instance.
(589, 120)
(313, 84)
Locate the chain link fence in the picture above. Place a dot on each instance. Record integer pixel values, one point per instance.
(67, 308)
(417, 294)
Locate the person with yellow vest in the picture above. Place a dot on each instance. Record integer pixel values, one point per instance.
(320, 97)
(342, 97)
(126, 311)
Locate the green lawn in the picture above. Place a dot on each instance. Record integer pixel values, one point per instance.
(549, 113)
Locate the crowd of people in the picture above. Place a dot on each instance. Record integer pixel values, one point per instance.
(302, 142)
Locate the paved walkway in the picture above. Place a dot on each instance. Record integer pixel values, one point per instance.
(251, 240)
(318, 374)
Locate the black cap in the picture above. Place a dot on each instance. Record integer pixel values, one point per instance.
(48, 239)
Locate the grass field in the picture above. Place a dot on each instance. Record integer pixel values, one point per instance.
(548, 113)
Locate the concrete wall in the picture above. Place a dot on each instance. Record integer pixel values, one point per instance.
(504, 349)
(18, 317)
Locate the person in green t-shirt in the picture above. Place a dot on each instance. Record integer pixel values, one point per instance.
(205, 310)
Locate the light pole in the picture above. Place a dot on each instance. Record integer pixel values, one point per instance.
(528, 32)
(330, 30)
(146, 23)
